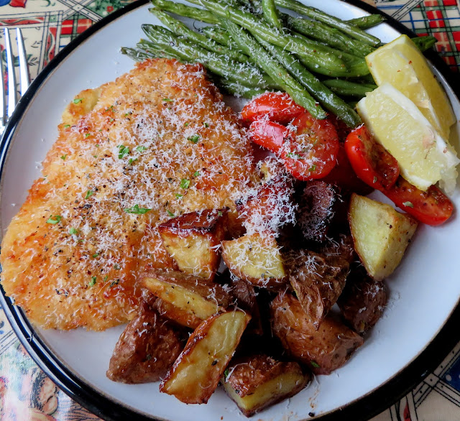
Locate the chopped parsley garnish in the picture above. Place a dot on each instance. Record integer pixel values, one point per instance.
(63, 157)
(196, 173)
(408, 204)
(137, 210)
(87, 135)
(314, 364)
(132, 161)
(184, 183)
(205, 124)
(141, 148)
(194, 138)
(95, 255)
(54, 219)
(66, 126)
(122, 151)
(170, 213)
(73, 231)
(89, 193)
(312, 168)
(77, 100)
(179, 196)
(167, 100)
(93, 281)
(294, 155)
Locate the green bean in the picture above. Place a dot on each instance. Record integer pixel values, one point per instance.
(316, 14)
(328, 99)
(136, 54)
(239, 89)
(157, 51)
(331, 36)
(424, 43)
(366, 22)
(220, 35)
(347, 88)
(181, 29)
(186, 11)
(223, 66)
(311, 50)
(355, 66)
(271, 13)
(279, 74)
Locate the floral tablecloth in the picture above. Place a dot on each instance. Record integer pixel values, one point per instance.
(48, 26)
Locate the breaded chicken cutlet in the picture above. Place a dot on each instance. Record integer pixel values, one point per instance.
(157, 142)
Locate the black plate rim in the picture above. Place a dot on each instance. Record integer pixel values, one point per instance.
(100, 404)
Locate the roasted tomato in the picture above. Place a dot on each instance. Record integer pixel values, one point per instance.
(277, 106)
(432, 207)
(268, 134)
(311, 152)
(370, 160)
(344, 176)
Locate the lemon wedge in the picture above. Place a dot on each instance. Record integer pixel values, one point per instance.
(397, 123)
(401, 64)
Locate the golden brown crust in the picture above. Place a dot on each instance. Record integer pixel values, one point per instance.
(153, 127)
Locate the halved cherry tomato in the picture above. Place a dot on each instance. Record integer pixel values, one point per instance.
(370, 160)
(311, 152)
(432, 207)
(277, 106)
(268, 134)
(345, 177)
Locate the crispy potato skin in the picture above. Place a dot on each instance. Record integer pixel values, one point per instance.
(317, 208)
(255, 258)
(363, 300)
(380, 235)
(258, 381)
(318, 281)
(193, 240)
(187, 298)
(197, 371)
(324, 349)
(146, 349)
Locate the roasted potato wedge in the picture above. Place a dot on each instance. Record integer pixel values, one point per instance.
(363, 300)
(246, 300)
(317, 207)
(256, 258)
(342, 247)
(269, 206)
(324, 349)
(193, 240)
(380, 234)
(258, 381)
(146, 349)
(317, 280)
(198, 369)
(198, 297)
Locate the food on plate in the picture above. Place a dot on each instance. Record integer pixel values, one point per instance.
(324, 348)
(380, 235)
(363, 300)
(156, 209)
(318, 205)
(401, 64)
(424, 157)
(146, 349)
(255, 258)
(318, 281)
(258, 381)
(198, 369)
(159, 142)
(192, 240)
(201, 298)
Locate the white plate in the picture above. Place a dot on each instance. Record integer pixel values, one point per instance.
(424, 290)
